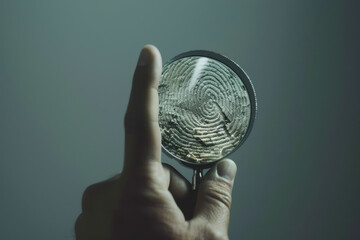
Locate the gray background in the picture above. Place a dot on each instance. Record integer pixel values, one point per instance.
(65, 75)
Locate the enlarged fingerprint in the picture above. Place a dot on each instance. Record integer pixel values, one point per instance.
(204, 109)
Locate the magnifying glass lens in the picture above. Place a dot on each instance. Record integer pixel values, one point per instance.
(205, 109)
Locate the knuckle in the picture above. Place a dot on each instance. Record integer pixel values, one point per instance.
(88, 196)
(88, 193)
(218, 193)
(78, 224)
(101, 193)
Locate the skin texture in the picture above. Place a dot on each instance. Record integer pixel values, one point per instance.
(151, 200)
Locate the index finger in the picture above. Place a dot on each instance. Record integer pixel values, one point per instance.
(142, 133)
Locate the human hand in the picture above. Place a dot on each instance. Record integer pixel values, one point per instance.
(151, 200)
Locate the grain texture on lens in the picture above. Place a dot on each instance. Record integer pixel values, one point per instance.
(204, 109)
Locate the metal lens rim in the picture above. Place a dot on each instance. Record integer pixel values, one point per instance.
(249, 87)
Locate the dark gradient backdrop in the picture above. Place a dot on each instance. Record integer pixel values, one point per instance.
(65, 77)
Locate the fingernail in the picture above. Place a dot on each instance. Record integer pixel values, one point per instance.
(144, 57)
(226, 169)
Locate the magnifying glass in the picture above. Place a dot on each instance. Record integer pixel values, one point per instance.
(207, 107)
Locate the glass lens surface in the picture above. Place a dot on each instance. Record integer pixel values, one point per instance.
(204, 109)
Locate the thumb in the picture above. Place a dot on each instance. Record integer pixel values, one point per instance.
(214, 195)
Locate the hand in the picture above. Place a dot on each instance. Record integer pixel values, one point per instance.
(151, 200)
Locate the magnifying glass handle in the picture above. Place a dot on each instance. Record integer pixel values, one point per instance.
(196, 179)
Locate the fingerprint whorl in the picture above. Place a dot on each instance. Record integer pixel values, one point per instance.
(204, 109)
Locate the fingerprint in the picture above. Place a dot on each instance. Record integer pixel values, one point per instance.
(204, 109)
